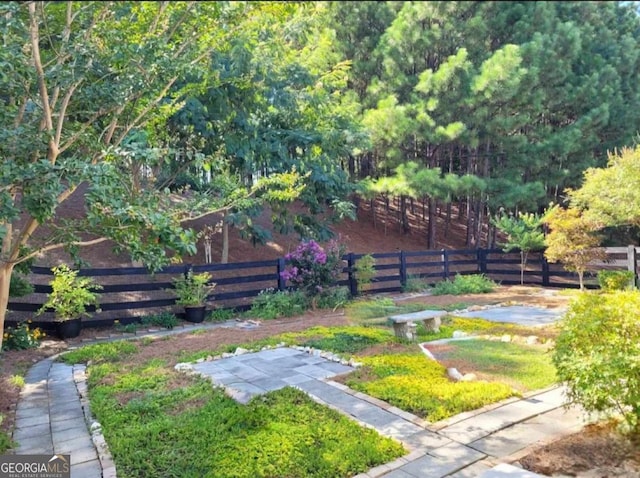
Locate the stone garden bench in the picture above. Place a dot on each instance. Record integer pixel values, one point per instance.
(404, 324)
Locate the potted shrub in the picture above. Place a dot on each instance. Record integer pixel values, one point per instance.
(69, 298)
(192, 291)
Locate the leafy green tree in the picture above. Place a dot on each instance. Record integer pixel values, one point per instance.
(524, 233)
(611, 196)
(572, 240)
(83, 78)
(278, 104)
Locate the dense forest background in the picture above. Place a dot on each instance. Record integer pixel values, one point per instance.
(417, 115)
(459, 108)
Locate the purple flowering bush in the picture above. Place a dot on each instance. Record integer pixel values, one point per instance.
(313, 269)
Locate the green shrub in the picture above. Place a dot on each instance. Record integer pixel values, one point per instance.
(365, 272)
(415, 283)
(615, 280)
(70, 294)
(163, 319)
(127, 329)
(465, 284)
(220, 315)
(270, 304)
(19, 286)
(597, 353)
(333, 298)
(21, 337)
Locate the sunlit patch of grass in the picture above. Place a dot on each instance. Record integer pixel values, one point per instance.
(379, 307)
(341, 339)
(522, 366)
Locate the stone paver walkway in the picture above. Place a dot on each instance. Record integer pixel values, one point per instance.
(247, 375)
(50, 419)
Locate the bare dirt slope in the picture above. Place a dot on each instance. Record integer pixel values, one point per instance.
(360, 236)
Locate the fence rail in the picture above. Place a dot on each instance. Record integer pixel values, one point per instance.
(129, 293)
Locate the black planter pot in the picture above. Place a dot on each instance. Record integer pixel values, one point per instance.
(195, 314)
(69, 329)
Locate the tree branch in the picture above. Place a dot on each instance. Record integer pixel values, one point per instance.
(182, 18)
(156, 20)
(6, 240)
(60, 245)
(42, 85)
(111, 129)
(63, 110)
(82, 129)
(146, 110)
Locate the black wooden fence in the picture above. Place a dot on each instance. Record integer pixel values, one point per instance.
(129, 293)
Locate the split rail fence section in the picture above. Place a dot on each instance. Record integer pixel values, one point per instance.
(130, 293)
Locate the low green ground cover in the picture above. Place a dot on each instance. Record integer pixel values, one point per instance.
(5, 439)
(108, 351)
(419, 385)
(160, 423)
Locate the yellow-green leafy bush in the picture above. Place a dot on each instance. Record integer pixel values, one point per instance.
(597, 353)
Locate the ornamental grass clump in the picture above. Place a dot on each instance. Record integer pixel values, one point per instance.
(311, 268)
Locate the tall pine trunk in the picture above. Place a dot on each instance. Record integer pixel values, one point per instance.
(404, 219)
(431, 235)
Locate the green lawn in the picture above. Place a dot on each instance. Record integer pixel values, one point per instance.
(521, 366)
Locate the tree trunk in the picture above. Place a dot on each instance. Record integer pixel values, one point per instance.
(431, 226)
(373, 211)
(404, 219)
(470, 215)
(447, 222)
(5, 280)
(225, 240)
(580, 278)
